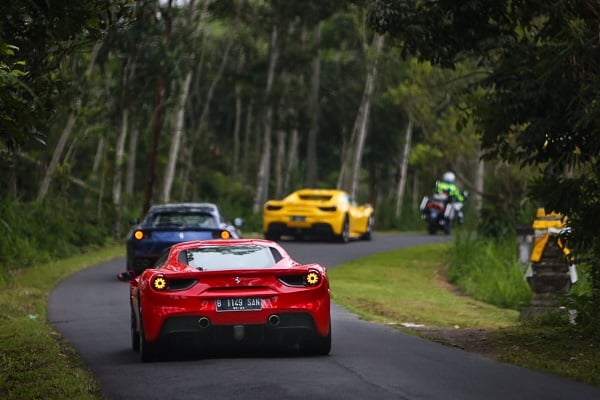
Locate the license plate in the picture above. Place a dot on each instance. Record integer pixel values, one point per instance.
(239, 304)
(298, 218)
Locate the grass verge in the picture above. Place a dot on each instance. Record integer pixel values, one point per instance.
(408, 286)
(34, 362)
(405, 286)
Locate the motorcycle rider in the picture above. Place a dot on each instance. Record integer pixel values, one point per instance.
(455, 198)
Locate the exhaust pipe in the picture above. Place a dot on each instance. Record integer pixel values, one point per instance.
(274, 320)
(204, 322)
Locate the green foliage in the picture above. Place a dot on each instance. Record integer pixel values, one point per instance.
(31, 54)
(540, 106)
(39, 232)
(385, 219)
(506, 204)
(407, 286)
(488, 271)
(551, 347)
(34, 362)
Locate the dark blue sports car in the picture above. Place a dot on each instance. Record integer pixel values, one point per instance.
(167, 224)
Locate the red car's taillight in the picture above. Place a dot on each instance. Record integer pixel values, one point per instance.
(161, 283)
(310, 278)
(313, 278)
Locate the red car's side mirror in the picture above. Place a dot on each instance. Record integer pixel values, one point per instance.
(126, 276)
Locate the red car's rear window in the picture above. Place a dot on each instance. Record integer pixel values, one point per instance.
(216, 258)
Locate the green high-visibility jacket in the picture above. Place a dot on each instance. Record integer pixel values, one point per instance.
(451, 189)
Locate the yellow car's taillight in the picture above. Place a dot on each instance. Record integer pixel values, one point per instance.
(328, 209)
(270, 207)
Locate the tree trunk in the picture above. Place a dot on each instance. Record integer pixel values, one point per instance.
(249, 150)
(203, 120)
(311, 149)
(292, 159)
(403, 168)
(262, 179)
(131, 157)
(416, 196)
(118, 172)
(279, 162)
(102, 159)
(341, 183)
(362, 119)
(159, 104)
(479, 175)
(236, 134)
(66, 133)
(176, 139)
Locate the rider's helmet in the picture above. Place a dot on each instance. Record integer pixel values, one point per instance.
(448, 177)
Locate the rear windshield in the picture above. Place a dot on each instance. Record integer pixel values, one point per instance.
(217, 258)
(316, 197)
(193, 220)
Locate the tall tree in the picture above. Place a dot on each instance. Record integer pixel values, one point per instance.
(66, 132)
(541, 108)
(262, 178)
(403, 168)
(314, 109)
(362, 118)
(185, 83)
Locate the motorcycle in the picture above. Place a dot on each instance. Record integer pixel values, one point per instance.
(438, 212)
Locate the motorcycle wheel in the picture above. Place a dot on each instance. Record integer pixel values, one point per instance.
(432, 227)
(447, 223)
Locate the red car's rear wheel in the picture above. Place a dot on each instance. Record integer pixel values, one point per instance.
(320, 346)
(148, 350)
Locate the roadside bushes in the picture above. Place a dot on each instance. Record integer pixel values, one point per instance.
(488, 270)
(35, 232)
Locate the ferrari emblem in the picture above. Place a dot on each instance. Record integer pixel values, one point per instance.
(237, 280)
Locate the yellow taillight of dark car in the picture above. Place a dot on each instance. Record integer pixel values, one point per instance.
(139, 235)
(225, 235)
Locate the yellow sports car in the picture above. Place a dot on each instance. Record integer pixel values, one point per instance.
(318, 212)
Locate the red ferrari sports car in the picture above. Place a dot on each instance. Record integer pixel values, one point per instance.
(222, 293)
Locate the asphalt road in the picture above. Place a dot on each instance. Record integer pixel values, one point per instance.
(367, 361)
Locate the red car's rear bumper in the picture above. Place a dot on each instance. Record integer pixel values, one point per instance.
(297, 313)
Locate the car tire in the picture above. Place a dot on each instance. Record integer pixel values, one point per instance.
(148, 350)
(321, 346)
(272, 236)
(135, 335)
(344, 237)
(368, 235)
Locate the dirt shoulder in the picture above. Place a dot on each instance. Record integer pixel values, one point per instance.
(471, 340)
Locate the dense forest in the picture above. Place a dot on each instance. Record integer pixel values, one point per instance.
(110, 107)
